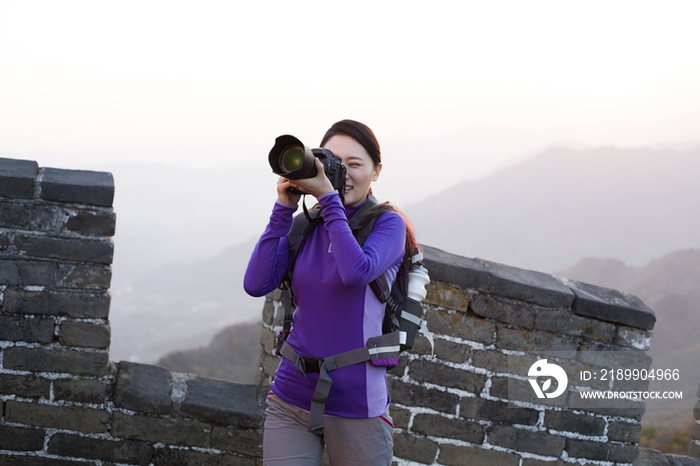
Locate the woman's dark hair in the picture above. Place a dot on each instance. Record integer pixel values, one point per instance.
(360, 133)
(365, 136)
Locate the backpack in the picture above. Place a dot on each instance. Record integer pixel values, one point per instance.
(402, 316)
(401, 312)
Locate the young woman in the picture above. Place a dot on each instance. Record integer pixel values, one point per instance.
(336, 312)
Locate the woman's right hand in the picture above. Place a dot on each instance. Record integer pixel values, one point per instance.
(283, 194)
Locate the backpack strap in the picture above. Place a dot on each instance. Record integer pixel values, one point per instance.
(378, 350)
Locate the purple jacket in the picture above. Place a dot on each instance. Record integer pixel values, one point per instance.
(336, 309)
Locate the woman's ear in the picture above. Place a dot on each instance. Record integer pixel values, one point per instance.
(376, 171)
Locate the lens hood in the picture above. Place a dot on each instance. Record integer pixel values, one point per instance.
(285, 143)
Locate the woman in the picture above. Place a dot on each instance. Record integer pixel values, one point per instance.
(336, 311)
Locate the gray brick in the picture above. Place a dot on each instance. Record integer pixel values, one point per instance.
(36, 461)
(25, 386)
(451, 268)
(497, 411)
(172, 457)
(77, 186)
(84, 276)
(527, 285)
(570, 422)
(440, 374)
(400, 416)
(500, 362)
(458, 324)
(613, 452)
(27, 273)
(623, 408)
(570, 324)
(444, 349)
(694, 450)
(71, 304)
(521, 390)
(632, 338)
(440, 426)
(454, 455)
(17, 178)
(160, 429)
(534, 462)
(541, 443)
(649, 457)
(222, 402)
(624, 432)
(80, 390)
(268, 362)
(91, 222)
(143, 388)
(447, 296)
(82, 334)
(75, 418)
(72, 249)
(76, 446)
(47, 360)
(414, 448)
(631, 384)
(28, 215)
(267, 338)
(20, 328)
(612, 359)
(534, 341)
(680, 460)
(21, 439)
(415, 395)
(611, 305)
(246, 442)
(517, 313)
(268, 312)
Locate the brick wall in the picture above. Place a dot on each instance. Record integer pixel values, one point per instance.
(62, 402)
(471, 402)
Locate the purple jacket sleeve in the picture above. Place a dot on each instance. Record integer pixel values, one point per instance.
(270, 258)
(384, 247)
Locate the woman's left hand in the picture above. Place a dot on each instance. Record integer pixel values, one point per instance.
(316, 186)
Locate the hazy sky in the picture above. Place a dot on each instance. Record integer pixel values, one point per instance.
(476, 84)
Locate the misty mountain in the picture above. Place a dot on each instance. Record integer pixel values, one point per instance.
(670, 286)
(545, 214)
(566, 204)
(181, 305)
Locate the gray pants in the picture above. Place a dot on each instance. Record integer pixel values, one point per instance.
(349, 441)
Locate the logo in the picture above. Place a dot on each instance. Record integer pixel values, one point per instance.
(542, 368)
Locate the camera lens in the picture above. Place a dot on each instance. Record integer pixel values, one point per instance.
(292, 158)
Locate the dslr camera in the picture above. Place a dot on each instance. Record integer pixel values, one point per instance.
(290, 158)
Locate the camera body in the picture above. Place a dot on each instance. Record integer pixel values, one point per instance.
(290, 158)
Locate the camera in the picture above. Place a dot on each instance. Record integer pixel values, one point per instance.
(290, 158)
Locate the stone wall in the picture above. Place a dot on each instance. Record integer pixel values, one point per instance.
(62, 402)
(471, 402)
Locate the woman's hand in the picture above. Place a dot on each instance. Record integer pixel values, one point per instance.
(283, 194)
(316, 186)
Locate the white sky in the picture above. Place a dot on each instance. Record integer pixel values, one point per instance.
(478, 84)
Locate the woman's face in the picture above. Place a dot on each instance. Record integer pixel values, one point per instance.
(361, 169)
